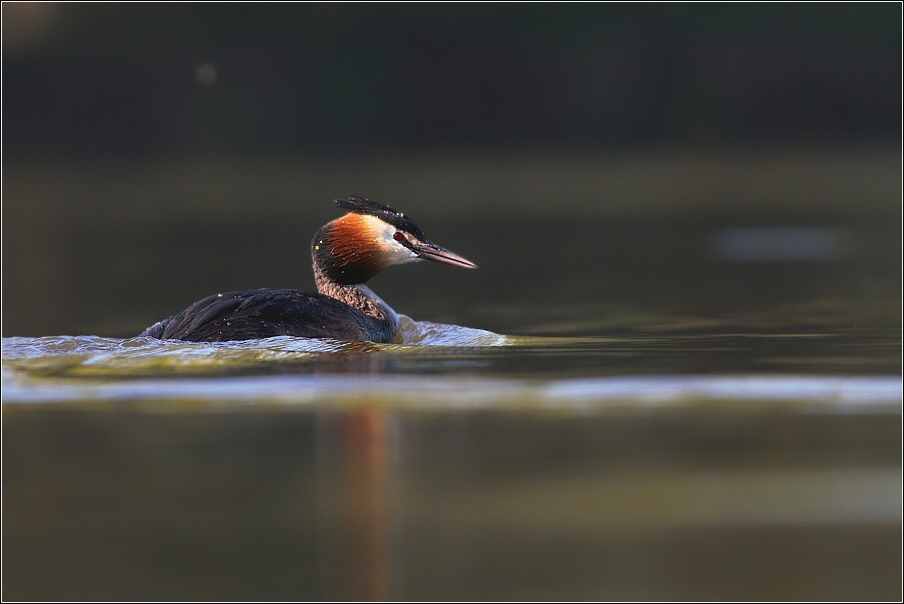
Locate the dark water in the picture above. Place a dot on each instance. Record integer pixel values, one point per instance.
(532, 468)
(699, 405)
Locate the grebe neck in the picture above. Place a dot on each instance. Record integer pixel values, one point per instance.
(358, 296)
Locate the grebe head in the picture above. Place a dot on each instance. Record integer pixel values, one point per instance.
(355, 247)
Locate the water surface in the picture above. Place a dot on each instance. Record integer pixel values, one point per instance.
(456, 463)
(615, 406)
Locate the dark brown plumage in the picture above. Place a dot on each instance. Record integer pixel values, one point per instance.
(265, 313)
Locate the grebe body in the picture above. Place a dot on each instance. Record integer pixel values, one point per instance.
(346, 253)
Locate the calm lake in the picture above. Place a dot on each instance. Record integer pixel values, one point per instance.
(659, 391)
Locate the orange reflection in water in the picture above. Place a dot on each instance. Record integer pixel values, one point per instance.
(362, 559)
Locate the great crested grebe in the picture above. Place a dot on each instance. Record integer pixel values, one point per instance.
(347, 252)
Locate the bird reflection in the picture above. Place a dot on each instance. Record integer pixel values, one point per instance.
(353, 505)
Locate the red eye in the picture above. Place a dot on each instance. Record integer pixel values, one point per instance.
(399, 236)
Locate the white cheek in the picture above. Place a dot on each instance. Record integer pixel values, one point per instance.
(398, 252)
(395, 252)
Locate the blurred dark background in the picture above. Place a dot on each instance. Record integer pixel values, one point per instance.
(109, 80)
(155, 153)
(715, 186)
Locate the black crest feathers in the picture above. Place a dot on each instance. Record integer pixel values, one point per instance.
(361, 205)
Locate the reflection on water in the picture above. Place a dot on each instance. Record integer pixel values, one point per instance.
(352, 451)
(289, 503)
(456, 464)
